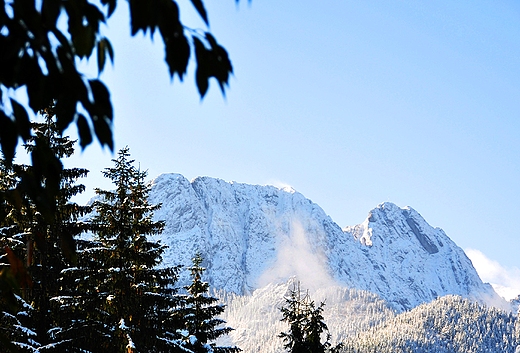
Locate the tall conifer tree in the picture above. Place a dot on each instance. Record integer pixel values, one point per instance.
(200, 313)
(50, 241)
(40, 240)
(126, 299)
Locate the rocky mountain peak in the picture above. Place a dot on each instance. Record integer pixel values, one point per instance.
(253, 235)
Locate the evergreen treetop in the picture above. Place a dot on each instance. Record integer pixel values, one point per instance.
(306, 324)
(40, 246)
(134, 297)
(200, 311)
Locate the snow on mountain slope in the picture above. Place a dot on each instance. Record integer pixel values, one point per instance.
(415, 262)
(256, 318)
(255, 235)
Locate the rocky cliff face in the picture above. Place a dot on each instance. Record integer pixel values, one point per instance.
(254, 235)
(414, 262)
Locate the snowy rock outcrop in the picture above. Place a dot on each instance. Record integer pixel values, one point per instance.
(255, 235)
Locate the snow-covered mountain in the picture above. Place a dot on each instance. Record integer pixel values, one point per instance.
(255, 235)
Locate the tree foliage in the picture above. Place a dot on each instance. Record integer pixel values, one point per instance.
(40, 53)
(306, 325)
(118, 299)
(41, 45)
(199, 312)
(111, 295)
(37, 240)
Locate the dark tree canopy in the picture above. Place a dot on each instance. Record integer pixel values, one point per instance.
(116, 298)
(41, 56)
(306, 325)
(32, 243)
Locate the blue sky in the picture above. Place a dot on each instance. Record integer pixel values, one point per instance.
(352, 103)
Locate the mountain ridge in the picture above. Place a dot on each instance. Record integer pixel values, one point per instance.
(253, 235)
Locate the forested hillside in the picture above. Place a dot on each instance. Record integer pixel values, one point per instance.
(256, 318)
(362, 323)
(448, 325)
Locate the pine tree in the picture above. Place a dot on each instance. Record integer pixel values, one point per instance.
(200, 313)
(123, 299)
(43, 241)
(51, 242)
(8, 181)
(294, 314)
(315, 328)
(306, 325)
(15, 330)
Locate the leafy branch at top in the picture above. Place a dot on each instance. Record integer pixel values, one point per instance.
(41, 56)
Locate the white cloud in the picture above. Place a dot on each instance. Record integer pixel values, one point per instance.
(280, 185)
(505, 280)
